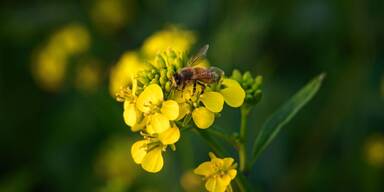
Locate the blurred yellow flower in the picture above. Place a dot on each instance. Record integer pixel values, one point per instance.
(148, 152)
(72, 39)
(124, 71)
(112, 15)
(49, 70)
(171, 37)
(374, 150)
(218, 173)
(115, 166)
(88, 75)
(50, 62)
(158, 112)
(191, 182)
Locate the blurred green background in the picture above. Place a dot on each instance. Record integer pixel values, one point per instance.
(73, 138)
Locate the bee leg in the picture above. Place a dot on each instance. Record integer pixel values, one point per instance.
(202, 87)
(194, 87)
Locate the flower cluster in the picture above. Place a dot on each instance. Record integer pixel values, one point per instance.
(218, 173)
(157, 108)
(132, 62)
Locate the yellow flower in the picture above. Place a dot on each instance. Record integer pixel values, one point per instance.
(49, 69)
(158, 112)
(217, 172)
(112, 15)
(122, 74)
(114, 163)
(50, 62)
(72, 39)
(173, 37)
(132, 115)
(88, 75)
(148, 152)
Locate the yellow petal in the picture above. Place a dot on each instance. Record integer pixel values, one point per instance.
(228, 162)
(152, 95)
(170, 109)
(153, 161)
(232, 173)
(212, 155)
(205, 169)
(157, 123)
(130, 113)
(202, 117)
(223, 181)
(138, 151)
(170, 136)
(233, 93)
(213, 101)
(184, 109)
(140, 124)
(214, 184)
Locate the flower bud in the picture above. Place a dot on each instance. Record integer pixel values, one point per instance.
(236, 75)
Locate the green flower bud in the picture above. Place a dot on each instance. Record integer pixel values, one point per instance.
(171, 54)
(163, 80)
(170, 73)
(143, 80)
(236, 75)
(168, 86)
(159, 62)
(247, 76)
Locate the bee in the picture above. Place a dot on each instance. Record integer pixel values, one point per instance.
(197, 75)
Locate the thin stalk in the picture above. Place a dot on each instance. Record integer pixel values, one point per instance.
(243, 138)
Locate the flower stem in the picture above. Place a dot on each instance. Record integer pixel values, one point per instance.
(243, 138)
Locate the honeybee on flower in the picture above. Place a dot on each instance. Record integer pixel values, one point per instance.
(156, 107)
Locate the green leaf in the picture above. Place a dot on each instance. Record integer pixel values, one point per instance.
(284, 114)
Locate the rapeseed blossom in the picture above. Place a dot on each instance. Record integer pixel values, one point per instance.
(148, 152)
(217, 173)
(155, 106)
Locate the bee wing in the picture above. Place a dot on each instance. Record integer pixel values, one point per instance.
(201, 54)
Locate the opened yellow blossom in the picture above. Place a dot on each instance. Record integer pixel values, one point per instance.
(158, 112)
(131, 113)
(217, 173)
(148, 152)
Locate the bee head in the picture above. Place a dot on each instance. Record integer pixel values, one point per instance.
(177, 79)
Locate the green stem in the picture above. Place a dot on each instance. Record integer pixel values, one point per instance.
(243, 138)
